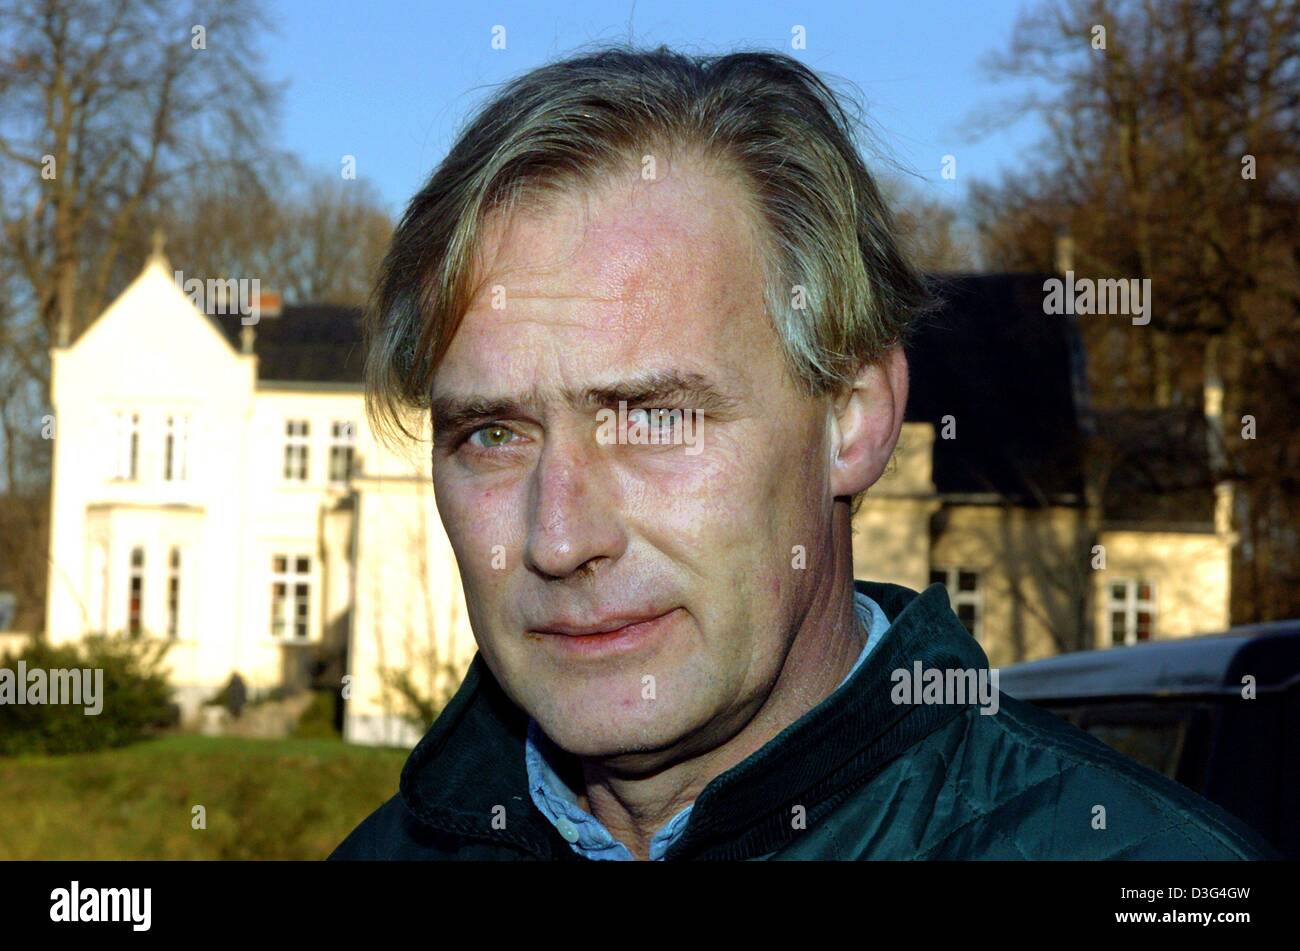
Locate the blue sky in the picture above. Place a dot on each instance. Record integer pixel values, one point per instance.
(391, 82)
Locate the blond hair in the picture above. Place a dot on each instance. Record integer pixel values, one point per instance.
(764, 116)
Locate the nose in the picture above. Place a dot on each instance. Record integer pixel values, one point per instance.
(574, 525)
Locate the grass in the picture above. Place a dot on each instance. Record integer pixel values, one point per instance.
(264, 799)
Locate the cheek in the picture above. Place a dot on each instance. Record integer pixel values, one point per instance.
(482, 527)
(696, 509)
(776, 526)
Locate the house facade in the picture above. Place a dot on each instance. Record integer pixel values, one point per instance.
(216, 484)
(1055, 527)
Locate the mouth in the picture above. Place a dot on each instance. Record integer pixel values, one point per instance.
(608, 635)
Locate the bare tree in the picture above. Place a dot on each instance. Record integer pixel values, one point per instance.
(109, 107)
(928, 227)
(315, 237)
(1173, 154)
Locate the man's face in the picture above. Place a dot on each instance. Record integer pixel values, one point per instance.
(559, 530)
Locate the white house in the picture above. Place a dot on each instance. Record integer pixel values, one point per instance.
(217, 485)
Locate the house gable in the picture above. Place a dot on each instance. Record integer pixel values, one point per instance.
(151, 340)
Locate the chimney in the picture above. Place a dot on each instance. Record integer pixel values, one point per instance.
(1064, 252)
(1212, 401)
(268, 303)
(1212, 397)
(158, 255)
(1224, 497)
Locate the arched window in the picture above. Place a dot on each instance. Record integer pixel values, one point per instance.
(174, 592)
(135, 600)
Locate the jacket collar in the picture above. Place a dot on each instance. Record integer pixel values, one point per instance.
(467, 777)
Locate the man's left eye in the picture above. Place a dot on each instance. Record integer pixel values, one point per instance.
(493, 437)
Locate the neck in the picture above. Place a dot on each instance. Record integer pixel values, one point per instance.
(828, 641)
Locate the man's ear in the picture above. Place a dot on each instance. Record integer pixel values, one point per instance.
(866, 419)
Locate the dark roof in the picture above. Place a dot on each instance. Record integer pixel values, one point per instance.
(316, 343)
(1012, 379)
(1188, 665)
(1153, 465)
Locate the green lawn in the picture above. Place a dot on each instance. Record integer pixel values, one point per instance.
(264, 799)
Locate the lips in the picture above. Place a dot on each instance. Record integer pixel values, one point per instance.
(611, 636)
(606, 625)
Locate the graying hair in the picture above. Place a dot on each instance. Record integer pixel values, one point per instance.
(762, 116)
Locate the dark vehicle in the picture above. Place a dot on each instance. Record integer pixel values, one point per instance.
(1180, 707)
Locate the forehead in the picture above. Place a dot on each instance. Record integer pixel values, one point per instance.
(628, 275)
(625, 238)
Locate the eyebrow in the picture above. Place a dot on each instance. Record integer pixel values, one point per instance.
(649, 389)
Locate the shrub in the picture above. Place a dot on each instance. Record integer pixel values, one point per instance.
(319, 720)
(417, 706)
(135, 697)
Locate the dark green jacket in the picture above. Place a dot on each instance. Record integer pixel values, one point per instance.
(875, 779)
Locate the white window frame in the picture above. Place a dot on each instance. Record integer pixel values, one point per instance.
(343, 441)
(175, 567)
(284, 613)
(957, 597)
(136, 572)
(101, 590)
(297, 450)
(176, 446)
(126, 465)
(1130, 605)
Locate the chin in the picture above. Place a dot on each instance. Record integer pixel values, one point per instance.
(600, 730)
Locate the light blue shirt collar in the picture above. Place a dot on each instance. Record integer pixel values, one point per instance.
(583, 831)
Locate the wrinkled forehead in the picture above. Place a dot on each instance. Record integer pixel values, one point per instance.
(630, 274)
(677, 241)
